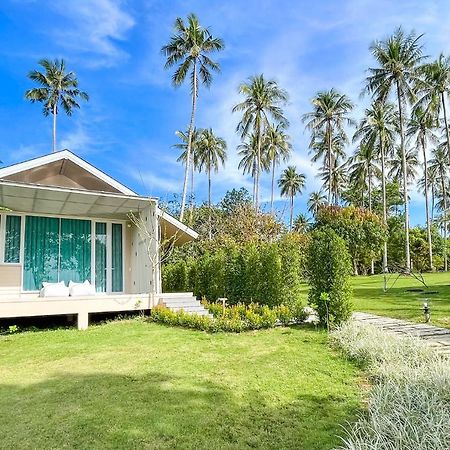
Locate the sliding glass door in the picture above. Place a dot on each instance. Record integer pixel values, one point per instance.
(41, 256)
(70, 250)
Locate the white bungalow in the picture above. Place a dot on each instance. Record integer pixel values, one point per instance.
(67, 221)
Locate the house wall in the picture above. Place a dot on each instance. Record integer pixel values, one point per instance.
(10, 277)
(143, 252)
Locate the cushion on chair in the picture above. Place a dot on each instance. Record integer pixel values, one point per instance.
(54, 290)
(81, 289)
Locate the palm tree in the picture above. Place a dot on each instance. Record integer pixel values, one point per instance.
(421, 129)
(315, 202)
(378, 128)
(398, 57)
(334, 180)
(211, 153)
(291, 184)
(396, 164)
(263, 101)
(328, 118)
(248, 150)
(189, 47)
(438, 166)
(363, 168)
(277, 148)
(183, 146)
(435, 86)
(57, 88)
(301, 224)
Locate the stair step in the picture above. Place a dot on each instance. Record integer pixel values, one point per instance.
(179, 301)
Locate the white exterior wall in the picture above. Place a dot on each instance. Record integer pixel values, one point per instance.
(145, 270)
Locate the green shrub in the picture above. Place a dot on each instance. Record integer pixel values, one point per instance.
(235, 318)
(175, 277)
(409, 402)
(329, 269)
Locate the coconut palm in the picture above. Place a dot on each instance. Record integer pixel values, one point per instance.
(183, 147)
(57, 88)
(329, 116)
(189, 47)
(301, 224)
(211, 154)
(315, 202)
(263, 101)
(438, 165)
(277, 148)
(291, 183)
(248, 150)
(421, 130)
(378, 128)
(334, 180)
(398, 58)
(396, 164)
(364, 168)
(434, 89)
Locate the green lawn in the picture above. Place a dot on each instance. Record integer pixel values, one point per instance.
(400, 302)
(132, 384)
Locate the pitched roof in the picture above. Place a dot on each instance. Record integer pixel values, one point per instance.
(105, 182)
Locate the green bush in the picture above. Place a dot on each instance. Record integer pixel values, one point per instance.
(235, 318)
(329, 269)
(266, 273)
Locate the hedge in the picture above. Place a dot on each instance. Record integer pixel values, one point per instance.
(265, 273)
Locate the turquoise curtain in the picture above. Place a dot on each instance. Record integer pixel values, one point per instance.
(41, 251)
(100, 257)
(117, 261)
(75, 251)
(12, 239)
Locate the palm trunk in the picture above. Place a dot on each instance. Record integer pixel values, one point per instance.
(432, 202)
(372, 264)
(444, 193)
(291, 221)
(425, 170)
(55, 111)
(446, 124)
(209, 200)
(329, 162)
(383, 188)
(405, 184)
(273, 185)
(258, 166)
(189, 148)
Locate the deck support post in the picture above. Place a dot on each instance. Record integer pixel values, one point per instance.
(83, 320)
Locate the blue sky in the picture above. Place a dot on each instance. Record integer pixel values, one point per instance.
(129, 124)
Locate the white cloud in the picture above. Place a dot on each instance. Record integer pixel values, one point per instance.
(95, 28)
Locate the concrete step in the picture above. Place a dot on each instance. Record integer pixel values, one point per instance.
(183, 301)
(179, 301)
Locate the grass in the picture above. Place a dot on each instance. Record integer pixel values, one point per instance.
(132, 384)
(402, 300)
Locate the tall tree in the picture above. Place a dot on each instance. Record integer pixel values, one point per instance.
(278, 148)
(248, 150)
(421, 130)
(364, 168)
(189, 47)
(211, 154)
(183, 147)
(378, 128)
(315, 202)
(398, 57)
(291, 184)
(57, 88)
(301, 224)
(330, 114)
(397, 165)
(434, 88)
(263, 101)
(439, 166)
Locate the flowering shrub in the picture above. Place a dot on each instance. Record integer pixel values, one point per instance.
(236, 318)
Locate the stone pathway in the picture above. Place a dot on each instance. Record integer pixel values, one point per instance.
(437, 337)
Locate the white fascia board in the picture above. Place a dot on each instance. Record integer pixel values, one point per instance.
(176, 223)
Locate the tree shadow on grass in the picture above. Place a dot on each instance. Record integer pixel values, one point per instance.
(158, 411)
